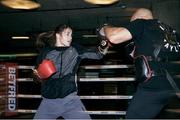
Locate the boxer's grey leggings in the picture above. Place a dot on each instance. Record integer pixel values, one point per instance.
(69, 107)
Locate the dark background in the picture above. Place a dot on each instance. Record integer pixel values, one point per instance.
(84, 19)
(82, 16)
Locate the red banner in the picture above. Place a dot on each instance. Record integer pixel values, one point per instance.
(9, 90)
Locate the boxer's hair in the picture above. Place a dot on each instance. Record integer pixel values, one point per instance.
(48, 39)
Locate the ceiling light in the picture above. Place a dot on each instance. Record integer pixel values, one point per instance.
(20, 37)
(18, 55)
(101, 2)
(20, 4)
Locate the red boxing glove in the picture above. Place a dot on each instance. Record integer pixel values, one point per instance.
(46, 69)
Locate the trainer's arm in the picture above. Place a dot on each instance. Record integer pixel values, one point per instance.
(117, 35)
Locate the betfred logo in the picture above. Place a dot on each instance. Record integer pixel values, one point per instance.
(12, 89)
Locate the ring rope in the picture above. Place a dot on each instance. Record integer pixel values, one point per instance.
(107, 79)
(88, 66)
(84, 97)
(90, 112)
(89, 79)
(106, 66)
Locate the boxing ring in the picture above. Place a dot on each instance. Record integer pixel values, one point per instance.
(9, 93)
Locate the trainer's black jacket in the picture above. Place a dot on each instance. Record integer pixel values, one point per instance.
(147, 34)
(67, 60)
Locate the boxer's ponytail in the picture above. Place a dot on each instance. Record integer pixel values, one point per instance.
(48, 39)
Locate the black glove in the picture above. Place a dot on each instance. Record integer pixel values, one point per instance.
(104, 42)
(104, 46)
(129, 48)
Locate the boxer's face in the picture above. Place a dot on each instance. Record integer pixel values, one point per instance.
(65, 38)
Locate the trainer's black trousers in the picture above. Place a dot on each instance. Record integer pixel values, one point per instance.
(147, 104)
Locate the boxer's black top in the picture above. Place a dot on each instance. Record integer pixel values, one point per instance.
(67, 60)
